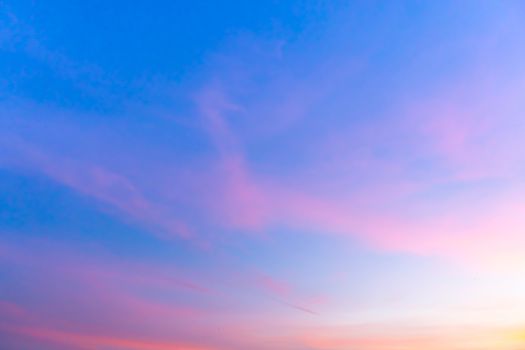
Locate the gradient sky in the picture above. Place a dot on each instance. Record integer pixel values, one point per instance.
(255, 175)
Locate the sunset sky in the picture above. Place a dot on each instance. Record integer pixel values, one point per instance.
(256, 175)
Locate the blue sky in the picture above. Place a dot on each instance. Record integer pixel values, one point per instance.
(292, 175)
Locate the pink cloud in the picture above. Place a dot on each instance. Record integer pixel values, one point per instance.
(461, 132)
(279, 288)
(226, 191)
(106, 186)
(90, 341)
(473, 126)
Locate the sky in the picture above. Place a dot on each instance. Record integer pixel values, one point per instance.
(234, 175)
